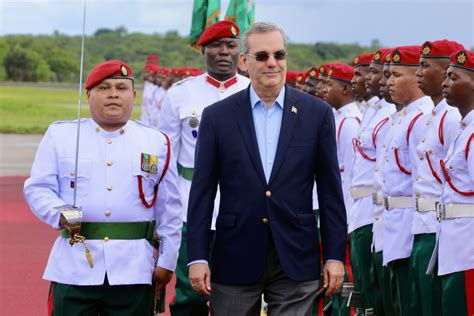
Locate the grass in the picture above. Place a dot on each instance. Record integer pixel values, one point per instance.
(30, 109)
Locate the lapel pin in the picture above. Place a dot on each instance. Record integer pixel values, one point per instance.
(294, 109)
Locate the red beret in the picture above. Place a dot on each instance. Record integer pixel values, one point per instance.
(291, 75)
(217, 31)
(387, 57)
(406, 56)
(152, 67)
(341, 72)
(301, 77)
(362, 60)
(463, 59)
(379, 55)
(110, 69)
(323, 70)
(163, 71)
(439, 49)
(154, 58)
(313, 73)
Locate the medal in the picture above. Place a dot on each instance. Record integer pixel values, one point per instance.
(149, 163)
(193, 122)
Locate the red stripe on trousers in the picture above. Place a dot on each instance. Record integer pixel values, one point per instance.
(349, 271)
(50, 300)
(469, 281)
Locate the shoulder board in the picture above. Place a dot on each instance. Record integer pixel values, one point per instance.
(71, 121)
(181, 81)
(146, 125)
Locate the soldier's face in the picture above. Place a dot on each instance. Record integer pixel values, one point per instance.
(320, 88)
(431, 74)
(358, 82)
(221, 56)
(402, 84)
(458, 88)
(111, 102)
(373, 79)
(384, 92)
(334, 90)
(310, 86)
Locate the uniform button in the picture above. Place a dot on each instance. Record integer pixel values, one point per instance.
(268, 194)
(430, 151)
(421, 157)
(97, 129)
(109, 163)
(109, 141)
(122, 131)
(265, 220)
(109, 188)
(72, 173)
(423, 140)
(106, 238)
(418, 194)
(384, 145)
(377, 218)
(107, 213)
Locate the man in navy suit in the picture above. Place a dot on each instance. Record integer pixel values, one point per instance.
(264, 147)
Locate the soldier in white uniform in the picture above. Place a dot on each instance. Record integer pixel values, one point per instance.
(180, 118)
(438, 130)
(361, 215)
(126, 181)
(455, 251)
(339, 94)
(396, 169)
(382, 273)
(361, 69)
(149, 87)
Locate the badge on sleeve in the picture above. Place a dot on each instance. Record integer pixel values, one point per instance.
(149, 163)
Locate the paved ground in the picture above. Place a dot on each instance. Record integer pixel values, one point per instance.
(17, 153)
(25, 241)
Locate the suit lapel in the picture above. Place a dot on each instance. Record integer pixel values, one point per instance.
(243, 115)
(290, 116)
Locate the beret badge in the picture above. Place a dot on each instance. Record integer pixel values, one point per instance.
(377, 56)
(233, 30)
(330, 72)
(321, 70)
(356, 60)
(312, 73)
(124, 71)
(461, 58)
(396, 57)
(426, 49)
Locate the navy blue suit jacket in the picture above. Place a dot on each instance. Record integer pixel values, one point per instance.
(227, 154)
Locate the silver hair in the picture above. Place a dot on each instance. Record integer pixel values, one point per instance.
(261, 27)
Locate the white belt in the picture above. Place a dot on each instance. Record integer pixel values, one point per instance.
(392, 202)
(377, 198)
(358, 192)
(449, 211)
(426, 204)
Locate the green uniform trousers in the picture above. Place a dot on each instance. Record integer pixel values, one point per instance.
(362, 267)
(187, 301)
(427, 295)
(458, 293)
(384, 303)
(103, 300)
(402, 288)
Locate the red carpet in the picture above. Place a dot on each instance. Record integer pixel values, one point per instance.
(25, 243)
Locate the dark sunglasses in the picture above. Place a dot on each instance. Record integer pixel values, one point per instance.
(263, 56)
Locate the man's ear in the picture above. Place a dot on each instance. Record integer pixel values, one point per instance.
(243, 62)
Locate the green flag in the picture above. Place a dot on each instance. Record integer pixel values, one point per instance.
(242, 12)
(205, 13)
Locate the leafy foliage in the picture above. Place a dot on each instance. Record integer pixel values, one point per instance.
(56, 57)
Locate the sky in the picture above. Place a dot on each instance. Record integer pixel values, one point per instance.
(392, 22)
